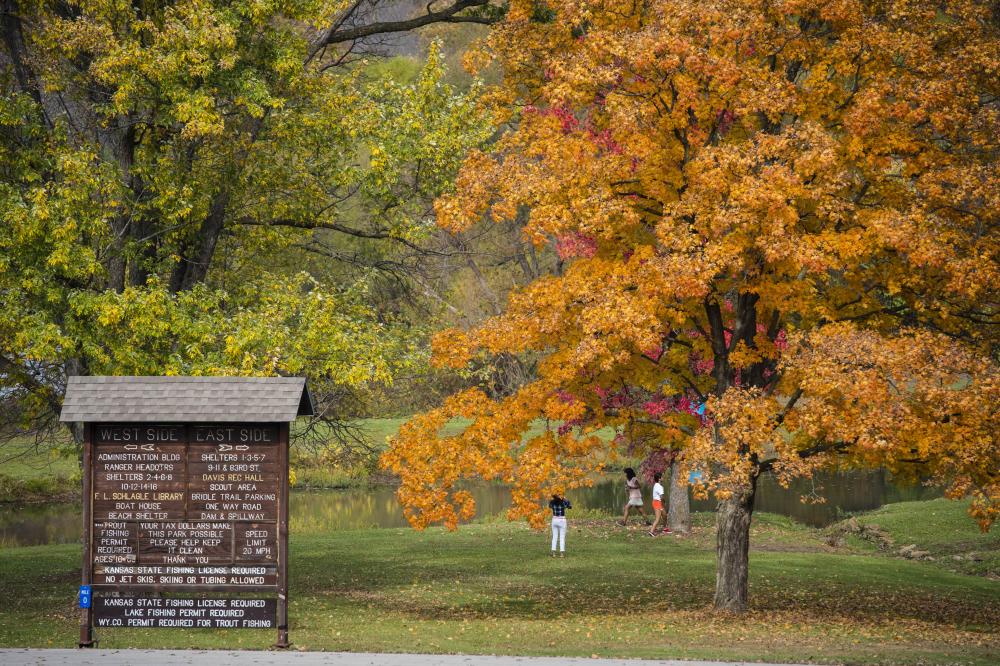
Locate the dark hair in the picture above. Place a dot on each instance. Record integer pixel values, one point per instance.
(657, 477)
(629, 473)
(556, 498)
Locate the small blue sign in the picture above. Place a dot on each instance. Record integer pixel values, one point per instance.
(694, 476)
(85, 596)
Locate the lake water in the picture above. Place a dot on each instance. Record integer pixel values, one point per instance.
(325, 510)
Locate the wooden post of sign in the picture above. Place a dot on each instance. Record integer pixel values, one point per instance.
(282, 537)
(87, 614)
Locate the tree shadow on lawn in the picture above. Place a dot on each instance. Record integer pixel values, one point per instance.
(450, 577)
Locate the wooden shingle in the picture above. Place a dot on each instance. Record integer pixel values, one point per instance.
(186, 399)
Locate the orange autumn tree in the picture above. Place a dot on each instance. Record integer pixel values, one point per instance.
(785, 210)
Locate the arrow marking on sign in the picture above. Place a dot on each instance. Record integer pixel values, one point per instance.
(225, 447)
(148, 447)
(242, 447)
(131, 447)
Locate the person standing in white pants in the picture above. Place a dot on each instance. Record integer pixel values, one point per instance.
(559, 506)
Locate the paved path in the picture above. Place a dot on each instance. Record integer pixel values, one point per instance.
(251, 658)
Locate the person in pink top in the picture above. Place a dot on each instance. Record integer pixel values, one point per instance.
(634, 496)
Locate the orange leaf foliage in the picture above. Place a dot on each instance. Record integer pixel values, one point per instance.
(788, 209)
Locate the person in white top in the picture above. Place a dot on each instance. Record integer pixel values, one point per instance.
(661, 515)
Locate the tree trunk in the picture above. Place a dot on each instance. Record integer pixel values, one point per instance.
(138, 272)
(17, 52)
(142, 232)
(733, 549)
(71, 368)
(679, 514)
(197, 257)
(119, 142)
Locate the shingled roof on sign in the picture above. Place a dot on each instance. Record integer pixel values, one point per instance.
(186, 399)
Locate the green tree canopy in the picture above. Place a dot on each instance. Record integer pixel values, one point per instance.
(206, 187)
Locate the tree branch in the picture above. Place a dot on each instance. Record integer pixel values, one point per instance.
(24, 377)
(780, 418)
(446, 15)
(825, 447)
(340, 228)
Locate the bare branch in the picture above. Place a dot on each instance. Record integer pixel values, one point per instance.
(780, 418)
(340, 228)
(449, 14)
(822, 447)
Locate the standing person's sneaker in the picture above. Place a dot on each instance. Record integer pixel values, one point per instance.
(562, 554)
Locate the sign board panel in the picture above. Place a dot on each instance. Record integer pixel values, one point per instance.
(185, 499)
(186, 577)
(185, 508)
(158, 612)
(175, 506)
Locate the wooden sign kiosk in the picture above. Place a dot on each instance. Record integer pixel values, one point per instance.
(185, 500)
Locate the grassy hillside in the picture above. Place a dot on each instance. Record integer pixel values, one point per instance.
(31, 473)
(942, 529)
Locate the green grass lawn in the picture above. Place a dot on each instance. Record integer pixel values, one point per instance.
(32, 473)
(22, 459)
(492, 588)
